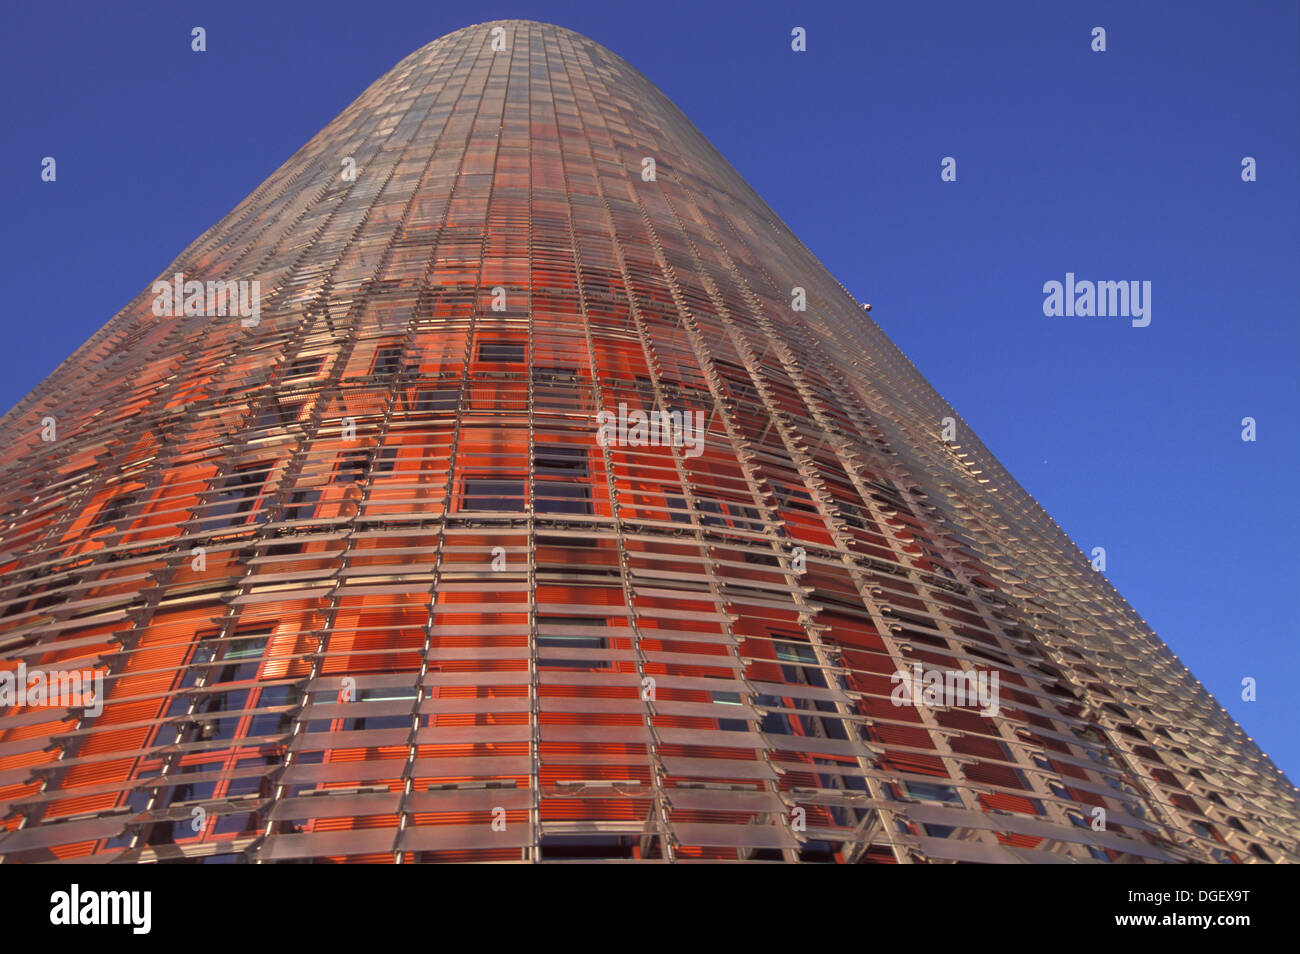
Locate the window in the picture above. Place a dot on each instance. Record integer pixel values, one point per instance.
(493, 494)
(571, 638)
(304, 366)
(560, 460)
(351, 467)
(561, 485)
(793, 498)
(712, 511)
(677, 508)
(270, 723)
(1204, 830)
(777, 723)
(730, 699)
(302, 505)
(802, 655)
(932, 792)
(278, 414)
(501, 352)
(213, 663)
(387, 361)
(237, 494)
(556, 497)
(238, 658)
(589, 846)
(115, 510)
(232, 660)
(437, 400)
(398, 715)
(806, 672)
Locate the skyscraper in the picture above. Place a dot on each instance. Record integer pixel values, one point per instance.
(502, 480)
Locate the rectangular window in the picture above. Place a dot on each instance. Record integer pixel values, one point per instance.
(554, 496)
(216, 662)
(387, 361)
(677, 508)
(799, 654)
(562, 474)
(351, 467)
(559, 460)
(278, 413)
(501, 352)
(794, 498)
(114, 511)
(243, 648)
(270, 723)
(300, 367)
(777, 723)
(712, 511)
(301, 505)
(237, 494)
(493, 494)
(437, 400)
(572, 637)
(932, 792)
(730, 699)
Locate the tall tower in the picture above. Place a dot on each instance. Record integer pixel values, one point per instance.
(503, 480)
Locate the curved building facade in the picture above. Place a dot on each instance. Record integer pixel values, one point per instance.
(502, 480)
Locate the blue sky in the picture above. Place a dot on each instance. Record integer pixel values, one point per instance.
(1123, 165)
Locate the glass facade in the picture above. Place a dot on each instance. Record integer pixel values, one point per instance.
(366, 580)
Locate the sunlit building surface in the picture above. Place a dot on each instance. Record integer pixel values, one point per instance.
(402, 568)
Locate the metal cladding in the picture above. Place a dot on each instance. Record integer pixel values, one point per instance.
(529, 492)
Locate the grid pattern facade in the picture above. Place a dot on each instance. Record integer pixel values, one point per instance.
(363, 585)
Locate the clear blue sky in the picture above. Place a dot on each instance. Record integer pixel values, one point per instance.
(1117, 165)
